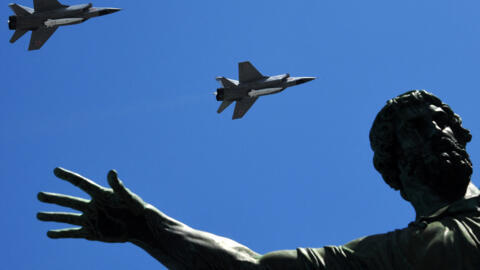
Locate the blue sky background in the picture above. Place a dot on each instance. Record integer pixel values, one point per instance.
(132, 91)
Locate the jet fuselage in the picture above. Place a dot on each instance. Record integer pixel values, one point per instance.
(262, 87)
(67, 15)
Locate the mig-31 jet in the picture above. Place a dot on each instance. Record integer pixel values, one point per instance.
(46, 16)
(250, 86)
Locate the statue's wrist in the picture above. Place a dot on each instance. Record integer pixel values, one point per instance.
(147, 226)
(138, 228)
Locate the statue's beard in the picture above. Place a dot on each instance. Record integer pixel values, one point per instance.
(443, 165)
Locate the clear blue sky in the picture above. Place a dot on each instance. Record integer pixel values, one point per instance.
(132, 91)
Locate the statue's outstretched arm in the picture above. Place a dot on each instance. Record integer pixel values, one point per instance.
(118, 215)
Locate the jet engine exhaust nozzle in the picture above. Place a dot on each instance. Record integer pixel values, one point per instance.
(220, 94)
(12, 22)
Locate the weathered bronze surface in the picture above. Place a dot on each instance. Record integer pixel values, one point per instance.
(419, 146)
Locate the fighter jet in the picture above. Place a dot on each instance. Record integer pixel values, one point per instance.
(251, 85)
(46, 16)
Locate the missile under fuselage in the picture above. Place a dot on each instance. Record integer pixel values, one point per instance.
(65, 21)
(264, 92)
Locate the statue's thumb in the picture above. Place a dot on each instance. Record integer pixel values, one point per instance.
(131, 199)
(117, 185)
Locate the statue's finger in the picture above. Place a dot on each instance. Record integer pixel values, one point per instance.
(67, 233)
(63, 200)
(70, 218)
(76, 179)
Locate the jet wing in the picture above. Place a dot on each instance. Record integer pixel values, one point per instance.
(40, 36)
(45, 5)
(242, 106)
(247, 72)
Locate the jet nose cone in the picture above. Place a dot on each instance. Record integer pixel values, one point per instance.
(106, 11)
(304, 80)
(113, 10)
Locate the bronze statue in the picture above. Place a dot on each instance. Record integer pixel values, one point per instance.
(419, 148)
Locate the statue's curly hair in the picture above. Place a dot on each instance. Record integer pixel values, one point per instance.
(384, 143)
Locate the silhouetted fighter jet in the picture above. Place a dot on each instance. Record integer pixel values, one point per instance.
(46, 16)
(251, 85)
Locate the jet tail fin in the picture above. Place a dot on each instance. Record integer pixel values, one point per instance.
(18, 34)
(21, 10)
(46, 5)
(247, 72)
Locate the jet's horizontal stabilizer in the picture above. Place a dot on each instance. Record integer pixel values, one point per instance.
(18, 34)
(21, 10)
(227, 83)
(224, 105)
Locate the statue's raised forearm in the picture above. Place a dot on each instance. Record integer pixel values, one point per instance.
(178, 246)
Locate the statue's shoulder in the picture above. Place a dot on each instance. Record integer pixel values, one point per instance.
(454, 231)
(449, 225)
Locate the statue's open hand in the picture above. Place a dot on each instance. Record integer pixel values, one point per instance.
(112, 215)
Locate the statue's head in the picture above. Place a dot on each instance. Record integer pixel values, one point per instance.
(418, 140)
